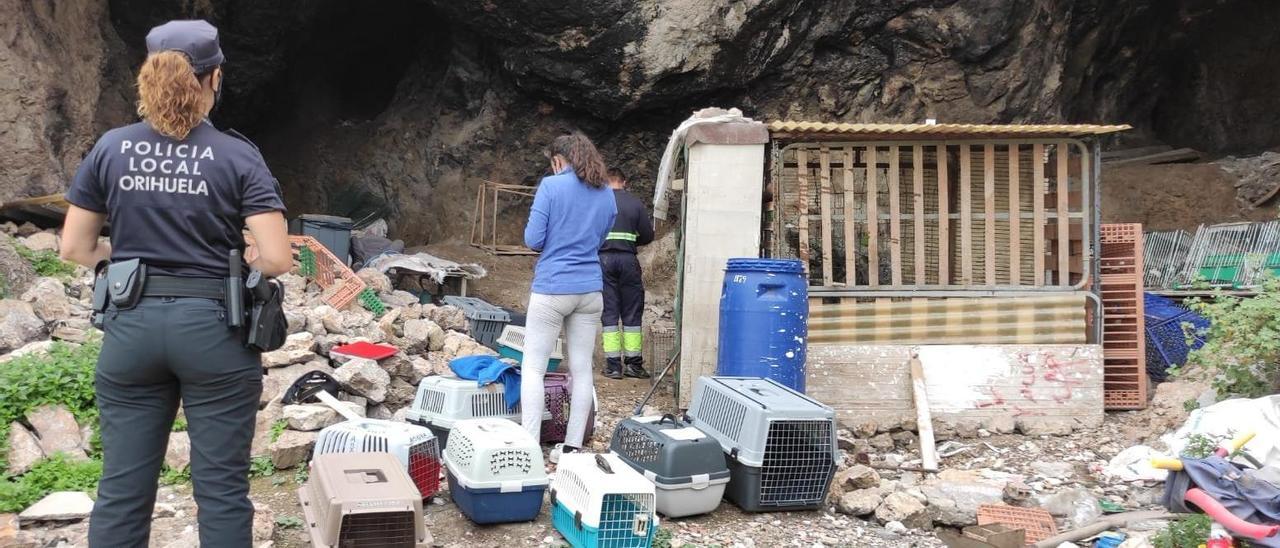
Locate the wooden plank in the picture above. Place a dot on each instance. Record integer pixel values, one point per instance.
(1126, 153)
(1015, 214)
(1181, 155)
(1056, 385)
(476, 219)
(944, 217)
(1064, 239)
(495, 218)
(924, 424)
(802, 177)
(989, 211)
(824, 181)
(850, 222)
(873, 223)
(966, 217)
(1037, 206)
(895, 218)
(917, 176)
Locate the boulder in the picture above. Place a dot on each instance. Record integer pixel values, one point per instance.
(905, 509)
(381, 412)
(856, 478)
(865, 429)
(418, 335)
(25, 229)
(904, 439)
(859, 503)
(329, 317)
(328, 342)
(37, 347)
(420, 368)
(450, 318)
(398, 366)
(956, 502)
(297, 321)
(58, 431)
(16, 271)
(285, 357)
(264, 522)
(312, 417)
(301, 341)
(70, 334)
(1058, 470)
(390, 324)
(364, 378)
(358, 400)
(60, 506)
(376, 279)
(178, 454)
(19, 324)
(291, 448)
(41, 241)
(295, 287)
(9, 530)
(399, 299)
(24, 449)
(401, 415)
(48, 298)
(882, 442)
(277, 380)
(399, 394)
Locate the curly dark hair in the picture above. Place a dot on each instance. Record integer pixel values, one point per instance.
(581, 153)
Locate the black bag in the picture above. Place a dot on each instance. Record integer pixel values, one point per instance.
(268, 327)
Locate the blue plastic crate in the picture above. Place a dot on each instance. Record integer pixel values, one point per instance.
(610, 534)
(493, 506)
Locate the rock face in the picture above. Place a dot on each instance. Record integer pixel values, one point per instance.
(19, 324)
(58, 431)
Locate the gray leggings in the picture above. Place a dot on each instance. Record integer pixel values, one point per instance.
(579, 315)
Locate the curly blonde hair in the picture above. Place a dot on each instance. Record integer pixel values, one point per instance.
(581, 153)
(169, 94)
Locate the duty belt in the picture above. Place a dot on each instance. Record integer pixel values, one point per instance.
(172, 286)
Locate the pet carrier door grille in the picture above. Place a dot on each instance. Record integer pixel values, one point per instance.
(490, 405)
(510, 463)
(424, 467)
(625, 520)
(637, 445)
(386, 530)
(570, 487)
(722, 413)
(797, 463)
(434, 402)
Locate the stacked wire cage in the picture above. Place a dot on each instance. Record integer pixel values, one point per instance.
(1232, 255)
(495, 471)
(441, 402)
(660, 345)
(598, 501)
(1163, 255)
(686, 466)
(1173, 331)
(415, 447)
(555, 423)
(781, 444)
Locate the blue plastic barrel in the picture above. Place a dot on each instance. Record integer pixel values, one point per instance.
(764, 309)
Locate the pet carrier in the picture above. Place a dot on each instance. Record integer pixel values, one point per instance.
(555, 423)
(442, 401)
(414, 446)
(511, 345)
(781, 444)
(486, 321)
(496, 474)
(361, 499)
(685, 465)
(599, 501)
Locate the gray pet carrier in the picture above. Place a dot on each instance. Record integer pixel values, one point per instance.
(686, 466)
(781, 444)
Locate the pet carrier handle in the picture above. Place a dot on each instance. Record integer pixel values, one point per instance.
(603, 464)
(667, 417)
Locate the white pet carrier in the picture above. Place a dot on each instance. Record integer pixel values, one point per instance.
(599, 501)
(496, 473)
(781, 444)
(361, 499)
(443, 401)
(414, 446)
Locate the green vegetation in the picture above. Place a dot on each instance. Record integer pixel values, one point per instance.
(1185, 533)
(277, 428)
(1200, 446)
(49, 475)
(289, 522)
(171, 476)
(1242, 348)
(45, 262)
(301, 475)
(62, 376)
(179, 425)
(261, 467)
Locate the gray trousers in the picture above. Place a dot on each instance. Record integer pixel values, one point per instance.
(163, 351)
(579, 315)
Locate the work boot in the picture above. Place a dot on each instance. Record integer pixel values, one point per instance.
(635, 369)
(613, 368)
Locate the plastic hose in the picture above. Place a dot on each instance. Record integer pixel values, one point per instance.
(1220, 514)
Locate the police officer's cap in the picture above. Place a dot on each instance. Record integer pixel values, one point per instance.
(196, 38)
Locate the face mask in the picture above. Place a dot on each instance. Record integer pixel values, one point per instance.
(217, 95)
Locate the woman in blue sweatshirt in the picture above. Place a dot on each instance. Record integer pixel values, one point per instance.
(573, 210)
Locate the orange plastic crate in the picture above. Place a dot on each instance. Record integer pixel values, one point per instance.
(340, 283)
(1037, 522)
(1123, 333)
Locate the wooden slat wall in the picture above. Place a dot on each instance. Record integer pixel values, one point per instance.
(1012, 236)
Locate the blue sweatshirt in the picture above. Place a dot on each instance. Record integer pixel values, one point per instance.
(568, 223)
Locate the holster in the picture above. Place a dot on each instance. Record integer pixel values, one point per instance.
(99, 301)
(125, 281)
(267, 325)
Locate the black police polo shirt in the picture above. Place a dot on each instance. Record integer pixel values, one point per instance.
(179, 206)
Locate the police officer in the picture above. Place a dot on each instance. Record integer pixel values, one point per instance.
(178, 194)
(623, 283)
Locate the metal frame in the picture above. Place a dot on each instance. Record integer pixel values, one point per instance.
(485, 228)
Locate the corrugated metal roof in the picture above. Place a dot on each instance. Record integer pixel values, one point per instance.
(938, 130)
